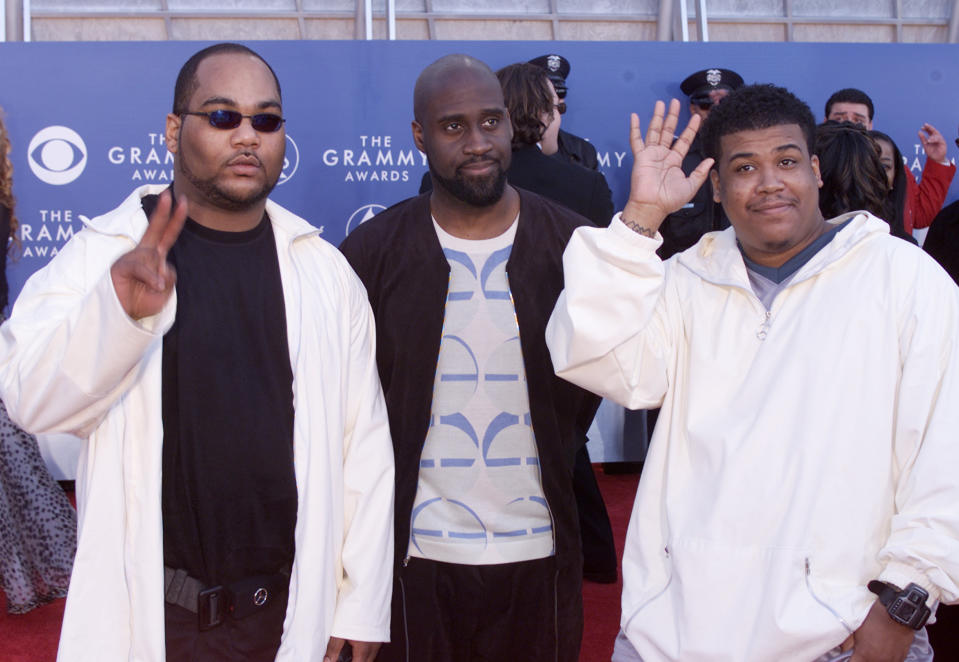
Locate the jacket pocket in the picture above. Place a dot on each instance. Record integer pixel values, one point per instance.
(750, 602)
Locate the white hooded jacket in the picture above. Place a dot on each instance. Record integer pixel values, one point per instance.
(73, 361)
(799, 453)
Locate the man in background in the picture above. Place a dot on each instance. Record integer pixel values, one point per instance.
(568, 147)
(683, 228)
(925, 199)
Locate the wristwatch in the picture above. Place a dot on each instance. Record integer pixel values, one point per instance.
(906, 606)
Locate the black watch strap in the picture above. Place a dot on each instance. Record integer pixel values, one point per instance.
(906, 606)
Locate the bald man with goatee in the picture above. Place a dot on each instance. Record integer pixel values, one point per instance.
(462, 281)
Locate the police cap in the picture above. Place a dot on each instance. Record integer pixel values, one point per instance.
(701, 83)
(557, 68)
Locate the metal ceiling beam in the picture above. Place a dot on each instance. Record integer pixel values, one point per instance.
(953, 36)
(664, 21)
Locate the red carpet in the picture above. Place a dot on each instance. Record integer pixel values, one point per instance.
(601, 601)
(33, 637)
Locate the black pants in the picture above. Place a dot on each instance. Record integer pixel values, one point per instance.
(489, 613)
(599, 547)
(252, 639)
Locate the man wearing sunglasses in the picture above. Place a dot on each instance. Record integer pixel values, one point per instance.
(235, 493)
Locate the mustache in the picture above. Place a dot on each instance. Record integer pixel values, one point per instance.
(245, 157)
(478, 160)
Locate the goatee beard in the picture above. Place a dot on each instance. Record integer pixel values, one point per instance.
(212, 193)
(474, 191)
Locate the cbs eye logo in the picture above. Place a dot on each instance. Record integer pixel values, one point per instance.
(57, 155)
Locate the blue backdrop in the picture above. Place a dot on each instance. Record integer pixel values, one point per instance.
(86, 119)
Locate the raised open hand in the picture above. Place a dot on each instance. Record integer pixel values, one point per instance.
(142, 278)
(933, 143)
(658, 185)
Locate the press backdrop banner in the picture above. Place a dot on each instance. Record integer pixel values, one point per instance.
(86, 120)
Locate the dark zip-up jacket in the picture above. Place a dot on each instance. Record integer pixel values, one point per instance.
(398, 257)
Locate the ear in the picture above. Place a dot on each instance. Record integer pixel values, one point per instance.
(814, 162)
(418, 136)
(173, 123)
(714, 180)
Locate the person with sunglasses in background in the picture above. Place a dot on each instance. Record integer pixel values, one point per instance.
(535, 113)
(236, 487)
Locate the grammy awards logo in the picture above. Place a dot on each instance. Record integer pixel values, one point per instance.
(362, 215)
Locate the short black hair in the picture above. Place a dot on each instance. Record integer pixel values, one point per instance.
(186, 82)
(756, 107)
(850, 95)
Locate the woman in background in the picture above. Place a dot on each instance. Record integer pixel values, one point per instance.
(38, 526)
(853, 177)
(892, 165)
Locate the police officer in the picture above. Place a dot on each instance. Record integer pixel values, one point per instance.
(682, 229)
(571, 148)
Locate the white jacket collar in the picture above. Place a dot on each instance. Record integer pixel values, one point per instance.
(129, 220)
(716, 257)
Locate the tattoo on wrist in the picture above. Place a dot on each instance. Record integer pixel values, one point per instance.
(640, 229)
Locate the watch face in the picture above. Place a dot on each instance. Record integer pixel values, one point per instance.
(903, 611)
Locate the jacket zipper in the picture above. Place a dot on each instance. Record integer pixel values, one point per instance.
(763, 330)
(821, 602)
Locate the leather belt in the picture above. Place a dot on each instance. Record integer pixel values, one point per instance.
(212, 604)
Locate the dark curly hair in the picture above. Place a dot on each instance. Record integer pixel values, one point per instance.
(6, 177)
(756, 107)
(6, 183)
(526, 90)
(7, 216)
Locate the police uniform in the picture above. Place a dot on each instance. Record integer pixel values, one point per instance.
(572, 148)
(700, 215)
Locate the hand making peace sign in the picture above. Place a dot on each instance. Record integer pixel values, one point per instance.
(142, 278)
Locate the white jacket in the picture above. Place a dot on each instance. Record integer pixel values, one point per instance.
(798, 454)
(73, 361)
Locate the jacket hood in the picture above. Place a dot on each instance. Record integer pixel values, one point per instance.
(129, 220)
(716, 257)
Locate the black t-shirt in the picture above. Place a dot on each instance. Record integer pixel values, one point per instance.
(229, 491)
